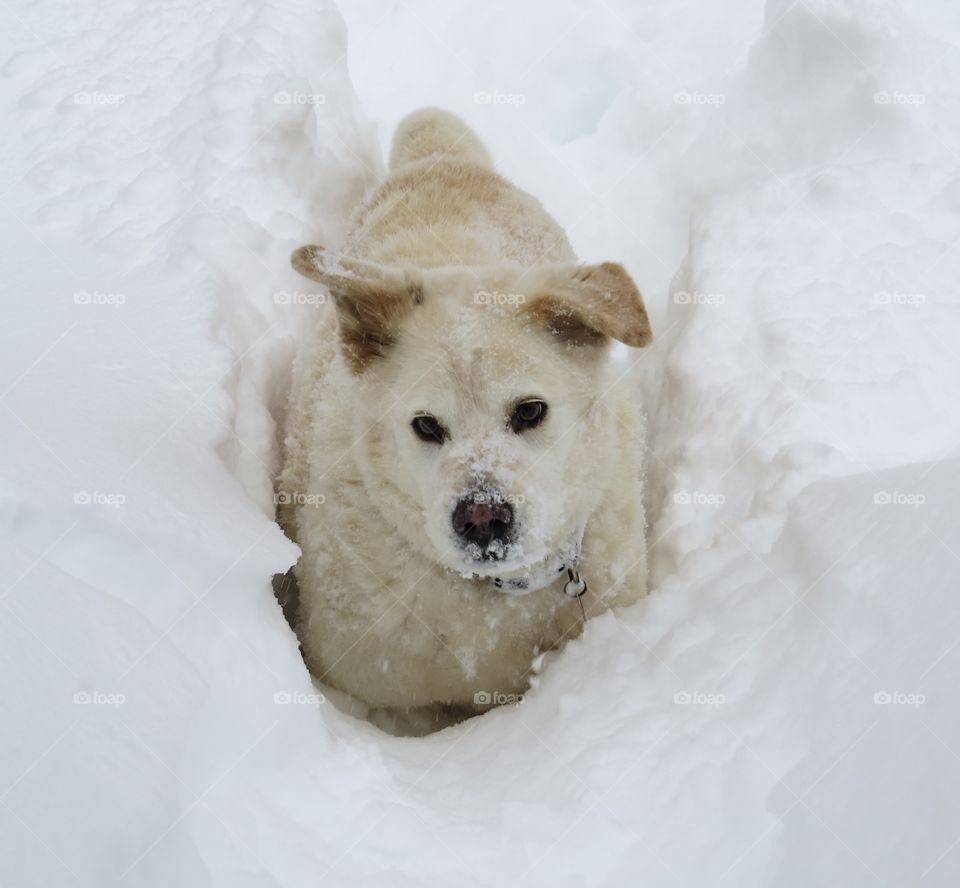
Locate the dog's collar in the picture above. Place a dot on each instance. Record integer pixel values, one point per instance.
(548, 571)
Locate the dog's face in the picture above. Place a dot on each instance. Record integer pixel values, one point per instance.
(480, 414)
(491, 431)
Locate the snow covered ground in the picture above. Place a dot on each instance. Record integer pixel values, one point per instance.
(782, 179)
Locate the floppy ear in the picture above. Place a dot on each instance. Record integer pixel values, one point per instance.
(587, 304)
(369, 300)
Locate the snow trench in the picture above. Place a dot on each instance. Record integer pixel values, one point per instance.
(782, 181)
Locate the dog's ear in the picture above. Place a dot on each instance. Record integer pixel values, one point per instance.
(584, 305)
(369, 298)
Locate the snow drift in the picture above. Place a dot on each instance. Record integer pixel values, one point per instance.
(781, 179)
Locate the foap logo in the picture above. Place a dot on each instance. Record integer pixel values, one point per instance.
(495, 497)
(895, 97)
(698, 498)
(898, 498)
(298, 498)
(895, 297)
(285, 97)
(298, 698)
(497, 698)
(98, 498)
(499, 98)
(695, 297)
(685, 97)
(99, 98)
(898, 698)
(95, 297)
(494, 297)
(295, 297)
(99, 698)
(698, 698)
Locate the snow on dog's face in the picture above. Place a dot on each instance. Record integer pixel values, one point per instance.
(479, 400)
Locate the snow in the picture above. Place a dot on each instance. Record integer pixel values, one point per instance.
(782, 181)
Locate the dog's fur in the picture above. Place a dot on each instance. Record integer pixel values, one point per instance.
(456, 294)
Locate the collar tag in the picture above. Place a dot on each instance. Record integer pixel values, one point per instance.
(576, 587)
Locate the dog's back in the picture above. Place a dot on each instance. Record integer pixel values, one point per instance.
(434, 134)
(443, 204)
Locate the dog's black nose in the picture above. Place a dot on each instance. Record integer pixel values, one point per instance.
(482, 519)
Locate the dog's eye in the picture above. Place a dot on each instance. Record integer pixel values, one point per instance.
(428, 428)
(528, 415)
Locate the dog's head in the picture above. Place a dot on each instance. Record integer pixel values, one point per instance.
(480, 422)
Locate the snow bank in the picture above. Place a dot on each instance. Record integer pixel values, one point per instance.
(778, 712)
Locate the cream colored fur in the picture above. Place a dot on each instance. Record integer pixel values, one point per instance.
(385, 612)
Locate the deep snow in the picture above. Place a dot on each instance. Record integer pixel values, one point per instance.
(781, 179)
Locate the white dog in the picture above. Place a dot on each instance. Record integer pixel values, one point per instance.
(460, 458)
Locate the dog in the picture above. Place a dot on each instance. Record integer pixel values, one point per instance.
(462, 467)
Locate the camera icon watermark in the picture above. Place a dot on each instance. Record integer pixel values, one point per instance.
(485, 97)
(95, 297)
(898, 498)
(695, 297)
(686, 97)
(296, 297)
(495, 498)
(895, 297)
(99, 98)
(98, 498)
(286, 97)
(99, 698)
(895, 97)
(698, 498)
(298, 698)
(698, 698)
(497, 698)
(899, 698)
(298, 498)
(496, 298)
